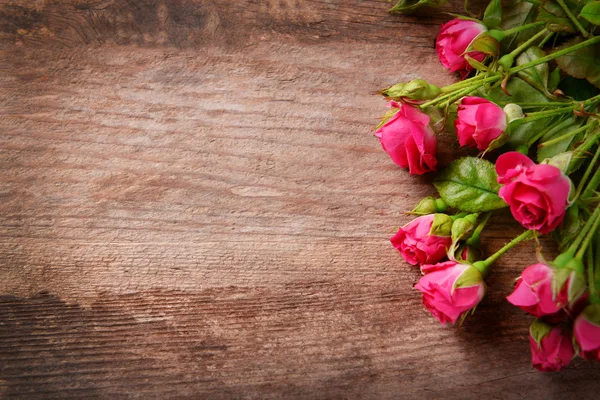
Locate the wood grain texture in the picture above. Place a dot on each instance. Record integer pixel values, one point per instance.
(192, 205)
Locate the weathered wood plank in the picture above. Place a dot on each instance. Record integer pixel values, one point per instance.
(193, 205)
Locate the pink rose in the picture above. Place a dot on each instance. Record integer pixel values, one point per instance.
(424, 239)
(450, 289)
(479, 122)
(452, 42)
(551, 347)
(586, 330)
(536, 193)
(409, 140)
(533, 292)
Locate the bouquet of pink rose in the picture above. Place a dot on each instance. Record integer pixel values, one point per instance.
(529, 91)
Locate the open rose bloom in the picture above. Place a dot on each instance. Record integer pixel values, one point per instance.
(424, 239)
(409, 140)
(551, 347)
(586, 330)
(536, 193)
(479, 122)
(452, 42)
(450, 289)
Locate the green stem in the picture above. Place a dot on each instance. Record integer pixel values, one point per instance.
(591, 235)
(450, 95)
(580, 237)
(474, 239)
(528, 43)
(573, 18)
(547, 104)
(522, 28)
(461, 84)
(534, 116)
(592, 185)
(460, 94)
(563, 137)
(592, 276)
(545, 40)
(544, 132)
(484, 266)
(587, 173)
(556, 54)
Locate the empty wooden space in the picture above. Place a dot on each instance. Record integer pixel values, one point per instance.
(193, 205)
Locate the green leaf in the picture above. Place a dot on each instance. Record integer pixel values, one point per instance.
(536, 76)
(517, 13)
(582, 63)
(470, 184)
(493, 14)
(554, 80)
(521, 92)
(578, 89)
(556, 18)
(591, 12)
(410, 6)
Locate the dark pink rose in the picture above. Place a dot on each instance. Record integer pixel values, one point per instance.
(479, 122)
(586, 330)
(551, 347)
(454, 38)
(409, 140)
(533, 292)
(450, 289)
(536, 193)
(424, 239)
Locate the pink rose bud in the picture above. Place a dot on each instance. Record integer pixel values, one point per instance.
(536, 193)
(543, 291)
(450, 289)
(533, 292)
(424, 239)
(586, 330)
(409, 140)
(479, 122)
(452, 42)
(551, 346)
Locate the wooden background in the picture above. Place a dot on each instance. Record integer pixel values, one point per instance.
(192, 205)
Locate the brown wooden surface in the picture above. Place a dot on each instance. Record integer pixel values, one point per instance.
(192, 205)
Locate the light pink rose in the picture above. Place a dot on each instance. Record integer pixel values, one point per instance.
(536, 193)
(418, 244)
(479, 122)
(409, 140)
(553, 351)
(586, 330)
(450, 289)
(454, 38)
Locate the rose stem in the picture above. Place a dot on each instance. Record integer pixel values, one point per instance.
(509, 58)
(474, 239)
(573, 247)
(563, 137)
(522, 28)
(590, 236)
(554, 55)
(591, 275)
(543, 133)
(587, 173)
(573, 18)
(543, 42)
(484, 266)
(592, 185)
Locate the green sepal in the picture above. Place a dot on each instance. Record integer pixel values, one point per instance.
(592, 314)
(485, 44)
(462, 227)
(539, 330)
(560, 161)
(441, 226)
(410, 6)
(387, 116)
(429, 205)
(417, 89)
(470, 277)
